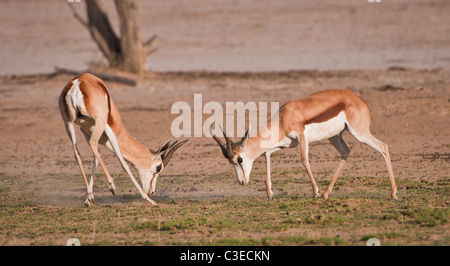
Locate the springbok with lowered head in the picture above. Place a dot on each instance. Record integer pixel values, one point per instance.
(85, 101)
(321, 115)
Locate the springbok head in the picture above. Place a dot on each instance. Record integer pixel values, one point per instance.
(235, 153)
(161, 158)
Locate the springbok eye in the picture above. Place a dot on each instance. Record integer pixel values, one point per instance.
(158, 168)
(239, 160)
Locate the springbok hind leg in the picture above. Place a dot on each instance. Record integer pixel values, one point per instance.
(71, 132)
(94, 168)
(340, 145)
(383, 148)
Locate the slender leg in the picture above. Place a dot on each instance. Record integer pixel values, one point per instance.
(268, 181)
(115, 145)
(305, 161)
(344, 150)
(94, 167)
(71, 132)
(367, 138)
(93, 143)
(383, 148)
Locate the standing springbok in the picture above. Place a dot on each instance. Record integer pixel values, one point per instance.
(85, 101)
(321, 115)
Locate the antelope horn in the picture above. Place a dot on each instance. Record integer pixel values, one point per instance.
(163, 148)
(245, 137)
(169, 152)
(222, 147)
(229, 147)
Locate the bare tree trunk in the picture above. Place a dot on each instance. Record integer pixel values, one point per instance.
(132, 42)
(129, 52)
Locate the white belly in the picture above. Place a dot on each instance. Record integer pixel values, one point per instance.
(324, 130)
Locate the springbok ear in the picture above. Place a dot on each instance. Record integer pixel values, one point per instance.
(245, 138)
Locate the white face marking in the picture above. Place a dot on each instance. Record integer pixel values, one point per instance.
(243, 169)
(149, 177)
(145, 176)
(324, 130)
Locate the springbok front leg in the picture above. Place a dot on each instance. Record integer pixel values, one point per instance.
(268, 180)
(305, 160)
(97, 132)
(115, 147)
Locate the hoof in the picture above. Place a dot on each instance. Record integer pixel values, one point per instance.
(154, 204)
(112, 189)
(316, 192)
(270, 196)
(149, 200)
(88, 203)
(90, 200)
(325, 196)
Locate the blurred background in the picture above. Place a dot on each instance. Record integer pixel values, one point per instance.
(232, 35)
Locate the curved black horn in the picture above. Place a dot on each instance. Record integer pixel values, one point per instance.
(222, 147)
(245, 137)
(229, 142)
(170, 151)
(163, 148)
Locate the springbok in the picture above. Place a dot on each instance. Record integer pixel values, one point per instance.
(321, 115)
(85, 101)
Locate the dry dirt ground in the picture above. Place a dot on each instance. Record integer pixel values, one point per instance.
(42, 192)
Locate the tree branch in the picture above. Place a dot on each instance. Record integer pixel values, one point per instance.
(75, 14)
(150, 41)
(148, 45)
(151, 51)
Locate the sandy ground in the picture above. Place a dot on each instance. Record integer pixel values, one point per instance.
(348, 45)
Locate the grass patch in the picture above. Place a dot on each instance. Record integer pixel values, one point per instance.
(352, 215)
(384, 236)
(428, 216)
(278, 241)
